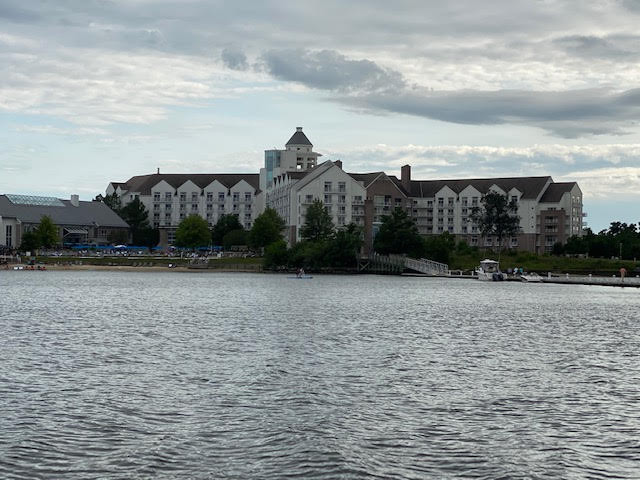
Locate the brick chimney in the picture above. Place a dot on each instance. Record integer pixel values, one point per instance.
(75, 200)
(338, 163)
(405, 177)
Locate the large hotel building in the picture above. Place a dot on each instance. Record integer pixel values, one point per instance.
(292, 179)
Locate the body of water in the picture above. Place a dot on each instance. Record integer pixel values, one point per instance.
(255, 376)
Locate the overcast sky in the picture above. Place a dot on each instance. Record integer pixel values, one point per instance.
(95, 91)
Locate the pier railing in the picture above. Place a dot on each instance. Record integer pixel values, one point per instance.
(426, 266)
(398, 263)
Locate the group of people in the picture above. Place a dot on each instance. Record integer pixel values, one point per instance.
(300, 273)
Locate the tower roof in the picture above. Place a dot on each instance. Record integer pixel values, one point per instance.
(299, 138)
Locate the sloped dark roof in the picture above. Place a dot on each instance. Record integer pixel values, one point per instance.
(144, 183)
(86, 213)
(365, 178)
(299, 138)
(555, 191)
(530, 187)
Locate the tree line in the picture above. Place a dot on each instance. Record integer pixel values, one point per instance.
(620, 240)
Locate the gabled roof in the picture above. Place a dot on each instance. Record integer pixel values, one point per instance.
(555, 191)
(299, 138)
(86, 213)
(531, 187)
(144, 183)
(366, 178)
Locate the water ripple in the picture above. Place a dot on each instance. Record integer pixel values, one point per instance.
(135, 375)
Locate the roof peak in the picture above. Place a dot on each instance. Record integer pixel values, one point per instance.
(299, 138)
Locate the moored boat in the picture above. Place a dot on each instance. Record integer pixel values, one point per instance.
(489, 270)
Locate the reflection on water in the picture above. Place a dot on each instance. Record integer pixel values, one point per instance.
(147, 375)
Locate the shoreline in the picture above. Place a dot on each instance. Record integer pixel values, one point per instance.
(580, 280)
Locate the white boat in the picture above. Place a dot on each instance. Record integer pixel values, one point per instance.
(489, 270)
(531, 277)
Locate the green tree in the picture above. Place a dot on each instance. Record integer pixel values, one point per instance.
(225, 224)
(30, 242)
(399, 234)
(498, 217)
(47, 233)
(136, 216)
(192, 232)
(343, 249)
(276, 254)
(318, 224)
(235, 238)
(267, 228)
(147, 237)
(112, 201)
(439, 247)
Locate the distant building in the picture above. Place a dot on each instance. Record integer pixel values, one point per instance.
(170, 198)
(77, 221)
(292, 179)
(549, 212)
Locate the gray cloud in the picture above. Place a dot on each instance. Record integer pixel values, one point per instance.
(613, 47)
(234, 58)
(329, 70)
(568, 114)
(17, 14)
(366, 86)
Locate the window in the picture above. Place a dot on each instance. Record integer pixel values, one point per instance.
(221, 196)
(450, 201)
(182, 216)
(357, 199)
(9, 236)
(465, 201)
(342, 209)
(327, 199)
(194, 196)
(167, 196)
(450, 211)
(441, 202)
(156, 207)
(156, 216)
(194, 207)
(209, 207)
(342, 199)
(514, 199)
(474, 201)
(464, 229)
(247, 196)
(182, 207)
(429, 203)
(308, 198)
(236, 196)
(340, 220)
(209, 197)
(156, 197)
(167, 206)
(327, 186)
(342, 187)
(183, 197)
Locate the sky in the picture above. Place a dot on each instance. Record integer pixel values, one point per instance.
(94, 91)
